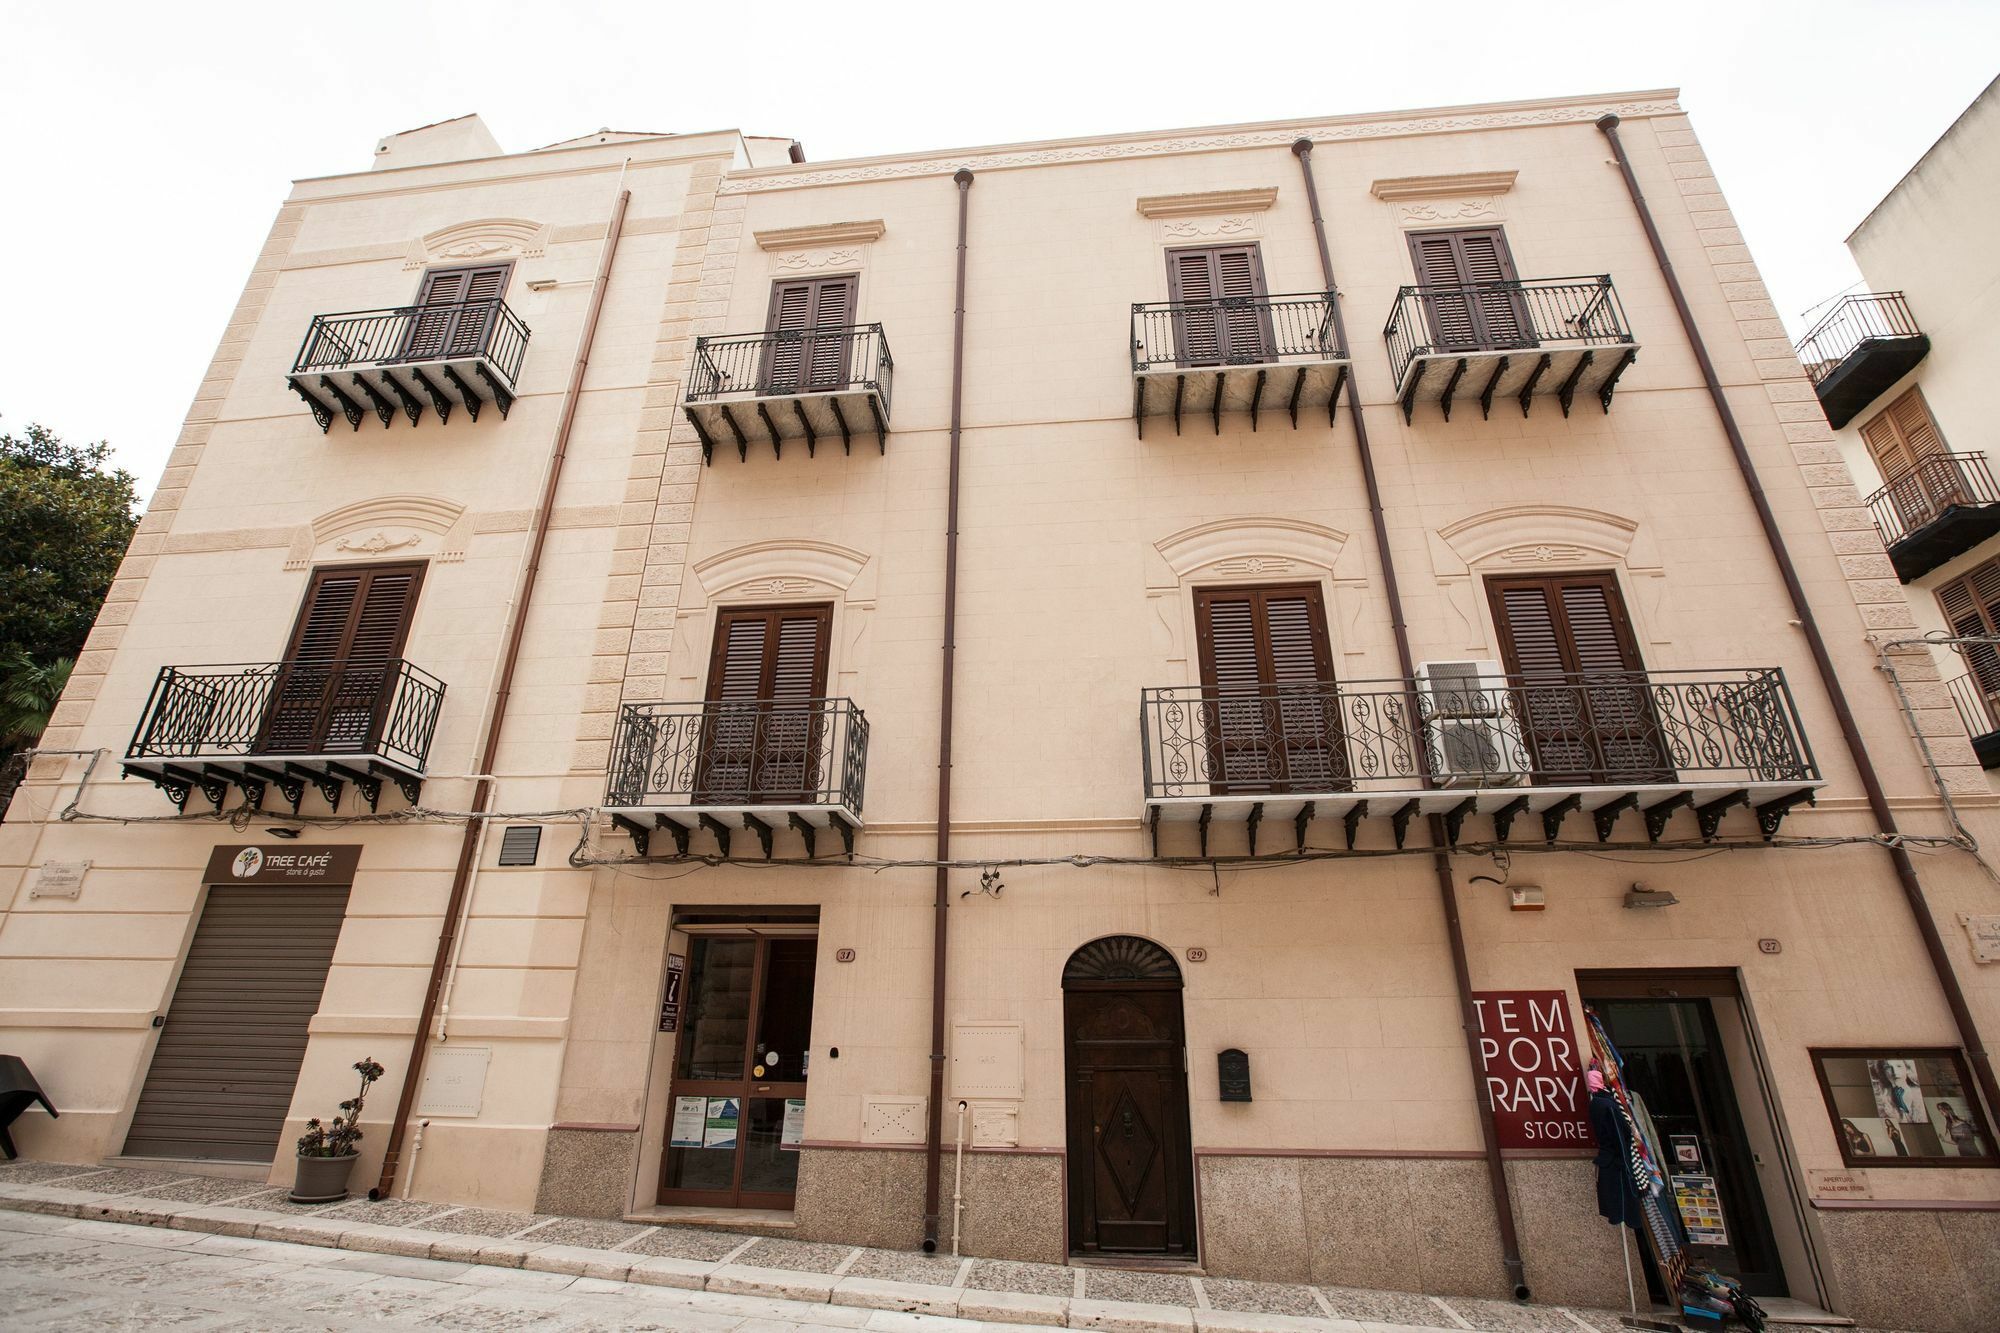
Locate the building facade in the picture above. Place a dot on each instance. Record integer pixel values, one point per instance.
(819, 530)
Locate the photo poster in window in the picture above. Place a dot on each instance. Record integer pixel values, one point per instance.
(1899, 1095)
(719, 1130)
(1700, 1208)
(1909, 1107)
(794, 1131)
(690, 1114)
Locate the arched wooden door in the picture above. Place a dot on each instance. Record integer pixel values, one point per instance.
(1131, 1165)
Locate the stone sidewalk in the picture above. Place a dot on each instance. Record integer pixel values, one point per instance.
(987, 1291)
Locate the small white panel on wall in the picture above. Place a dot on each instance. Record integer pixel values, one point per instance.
(986, 1060)
(892, 1119)
(454, 1080)
(996, 1125)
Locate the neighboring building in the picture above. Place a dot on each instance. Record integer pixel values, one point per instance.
(1176, 1036)
(1902, 371)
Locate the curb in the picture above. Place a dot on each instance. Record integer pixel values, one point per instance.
(998, 1309)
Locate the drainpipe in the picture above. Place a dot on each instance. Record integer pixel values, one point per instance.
(1496, 1170)
(1871, 783)
(934, 1135)
(496, 711)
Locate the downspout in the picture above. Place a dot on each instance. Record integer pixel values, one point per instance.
(496, 711)
(1871, 783)
(934, 1134)
(1496, 1169)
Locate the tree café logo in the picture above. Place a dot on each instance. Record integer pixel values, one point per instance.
(247, 863)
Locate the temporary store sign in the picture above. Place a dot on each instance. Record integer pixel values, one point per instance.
(689, 1115)
(1532, 1075)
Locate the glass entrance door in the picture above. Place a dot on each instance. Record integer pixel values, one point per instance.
(737, 1108)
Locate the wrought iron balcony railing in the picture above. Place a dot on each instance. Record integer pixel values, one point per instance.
(1975, 705)
(1621, 729)
(1853, 323)
(1235, 331)
(722, 763)
(790, 383)
(375, 708)
(1937, 483)
(1547, 330)
(462, 353)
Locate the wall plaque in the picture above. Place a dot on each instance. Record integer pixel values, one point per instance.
(670, 1002)
(282, 863)
(1232, 1074)
(1985, 933)
(59, 879)
(1532, 1075)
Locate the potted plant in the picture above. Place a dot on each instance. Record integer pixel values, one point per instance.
(326, 1152)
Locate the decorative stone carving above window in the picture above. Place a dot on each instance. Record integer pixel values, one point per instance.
(1254, 548)
(1517, 536)
(1424, 201)
(1208, 201)
(379, 526)
(809, 261)
(485, 238)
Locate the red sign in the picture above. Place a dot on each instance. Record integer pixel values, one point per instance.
(1534, 1076)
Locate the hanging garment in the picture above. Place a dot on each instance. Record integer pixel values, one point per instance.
(1617, 1193)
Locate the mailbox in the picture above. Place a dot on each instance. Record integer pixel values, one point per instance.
(1232, 1073)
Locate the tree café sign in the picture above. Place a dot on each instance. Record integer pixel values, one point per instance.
(1533, 1075)
(283, 864)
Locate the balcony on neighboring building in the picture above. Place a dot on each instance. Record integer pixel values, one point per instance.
(445, 357)
(1251, 354)
(1496, 342)
(818, 384)
(1976, 709)
(304, 722)
(1456, 745)
(1863, 345)
(1940, 508)
(727, 766)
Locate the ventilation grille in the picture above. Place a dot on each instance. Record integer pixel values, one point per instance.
(520, 844)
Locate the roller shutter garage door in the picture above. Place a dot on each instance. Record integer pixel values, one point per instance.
(229, 1056)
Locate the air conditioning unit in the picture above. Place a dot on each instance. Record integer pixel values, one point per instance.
(1471, 734)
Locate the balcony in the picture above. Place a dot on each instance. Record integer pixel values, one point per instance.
(1981, 718)
(459, 355)
(1512, 340)
(1941, 508)
(1863, 345)
(728, 766)
(1497, 746)
(812, 384)
(327, 724)
(1237, 354)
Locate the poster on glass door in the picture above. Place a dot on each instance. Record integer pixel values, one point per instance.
(719, 1130)
(690, 1113)
(794, 1131)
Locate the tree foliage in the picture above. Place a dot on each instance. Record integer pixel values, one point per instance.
(65, 520)
(28, 694)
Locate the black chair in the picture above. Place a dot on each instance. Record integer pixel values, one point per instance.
(18, 1091)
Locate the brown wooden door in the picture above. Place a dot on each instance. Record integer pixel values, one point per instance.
(1467, 314)
(1131, 1167)
(456, 308)
(1219, 315)
(337, 680)
(765, 721)
(742, 1060)
(815, 320)
(1588, 708)
(221, 1079)
(1271, 712)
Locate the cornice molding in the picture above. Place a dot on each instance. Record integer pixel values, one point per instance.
(1438, 187)
(821, 234)
(1207, 201)
(1578, 111)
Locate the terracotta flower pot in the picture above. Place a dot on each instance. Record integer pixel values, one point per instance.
(322, 1179)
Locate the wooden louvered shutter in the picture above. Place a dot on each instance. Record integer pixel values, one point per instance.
(444, 325)
(1218, 315)
(1971, 605)
(334, 683)
(1903, 438)
(1567, 639)
(764, 717)
(814, 316)
(1272, 716)
(1465, 314)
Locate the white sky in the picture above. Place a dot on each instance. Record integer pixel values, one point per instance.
(144, 147)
